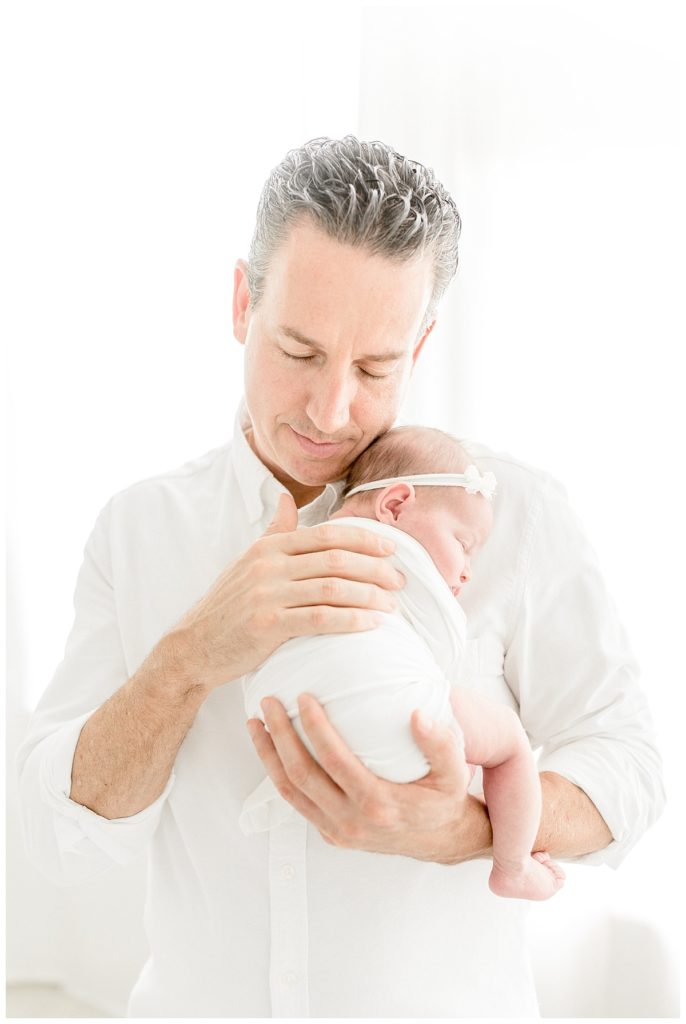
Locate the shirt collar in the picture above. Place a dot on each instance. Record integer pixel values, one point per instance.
(260, 489)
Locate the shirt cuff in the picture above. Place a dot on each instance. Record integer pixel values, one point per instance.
(587, 771)
(77, 828)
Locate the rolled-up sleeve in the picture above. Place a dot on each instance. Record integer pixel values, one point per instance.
(570, 666)
(66, 841)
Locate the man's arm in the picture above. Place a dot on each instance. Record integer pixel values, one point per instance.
(568, 665)
(571, 824)
(126, 749)
(281, 587)
(433, 819)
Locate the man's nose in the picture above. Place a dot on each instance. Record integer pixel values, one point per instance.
(329, 406)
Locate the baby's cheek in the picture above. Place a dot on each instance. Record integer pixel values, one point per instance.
(458, 561)
(448, 565)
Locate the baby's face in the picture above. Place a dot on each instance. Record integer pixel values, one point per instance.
(451, 528)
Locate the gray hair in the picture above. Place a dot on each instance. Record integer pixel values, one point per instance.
(360, 193)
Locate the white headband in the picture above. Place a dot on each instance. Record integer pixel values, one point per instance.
(472, 481)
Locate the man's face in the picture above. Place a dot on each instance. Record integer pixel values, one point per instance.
(328, 354)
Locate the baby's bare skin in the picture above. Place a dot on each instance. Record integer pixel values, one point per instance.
(495, 739)
(537, 878)
(451, 530)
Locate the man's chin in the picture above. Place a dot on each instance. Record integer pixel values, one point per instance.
(316, 472)
(305, 484)
(317, 476)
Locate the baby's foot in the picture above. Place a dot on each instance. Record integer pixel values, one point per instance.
(540, 879)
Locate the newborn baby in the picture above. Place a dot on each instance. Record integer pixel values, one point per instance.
(417, 486)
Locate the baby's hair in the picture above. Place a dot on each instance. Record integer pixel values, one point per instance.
(403, 451)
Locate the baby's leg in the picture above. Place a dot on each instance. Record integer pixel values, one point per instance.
(494, 738)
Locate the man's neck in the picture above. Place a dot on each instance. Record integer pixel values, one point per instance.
(302, 494)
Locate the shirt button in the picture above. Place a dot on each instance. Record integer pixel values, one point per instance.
(288, 978)
(287, 871)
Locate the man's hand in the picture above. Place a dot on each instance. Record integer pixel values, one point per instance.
(290, 582)
(432, 819)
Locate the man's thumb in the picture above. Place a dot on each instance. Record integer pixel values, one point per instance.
(285, 518)
(443, 747)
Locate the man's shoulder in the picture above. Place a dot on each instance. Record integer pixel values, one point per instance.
(197, 476)
(514, 475)
(507, 463)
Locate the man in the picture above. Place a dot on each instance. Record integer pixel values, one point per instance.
(191, 579)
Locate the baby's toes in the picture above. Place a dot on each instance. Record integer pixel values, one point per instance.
(556, 871)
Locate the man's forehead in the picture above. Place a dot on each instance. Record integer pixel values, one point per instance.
(326, 289)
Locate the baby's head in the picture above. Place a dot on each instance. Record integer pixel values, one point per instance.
(447, 521)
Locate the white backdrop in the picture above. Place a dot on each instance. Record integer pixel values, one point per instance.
(140, 136)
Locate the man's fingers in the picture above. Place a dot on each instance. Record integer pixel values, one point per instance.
(348, 565)
(329, 535)
(294, 769)
(316, 620)
(266, 751)
(443, 748)
(337, 592)
(334, 755)
(285, 518)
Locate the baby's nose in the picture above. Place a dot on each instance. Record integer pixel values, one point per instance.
(466, 574)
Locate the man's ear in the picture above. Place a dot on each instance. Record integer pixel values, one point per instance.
(391, 502)
(241, 301)
(420, 344)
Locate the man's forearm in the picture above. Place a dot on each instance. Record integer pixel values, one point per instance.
(127, 748)
(571, 825)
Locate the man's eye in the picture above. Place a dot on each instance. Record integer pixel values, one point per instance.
(289, 355)
(306, 359)
(374, 376)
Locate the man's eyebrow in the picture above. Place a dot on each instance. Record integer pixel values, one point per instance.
(381, 357)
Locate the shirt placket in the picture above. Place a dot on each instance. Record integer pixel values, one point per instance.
(288, 907)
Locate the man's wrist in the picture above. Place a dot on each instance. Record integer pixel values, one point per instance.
(467, 838)
(168, 673)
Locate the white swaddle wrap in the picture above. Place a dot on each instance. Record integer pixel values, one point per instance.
(369, 682)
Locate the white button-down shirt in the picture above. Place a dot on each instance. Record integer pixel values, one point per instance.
(282, 923)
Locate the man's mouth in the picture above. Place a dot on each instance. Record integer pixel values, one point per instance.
(323, 449)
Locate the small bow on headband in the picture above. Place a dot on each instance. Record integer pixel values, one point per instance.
(475, 483)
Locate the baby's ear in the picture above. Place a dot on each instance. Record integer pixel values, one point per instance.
(392, 501)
